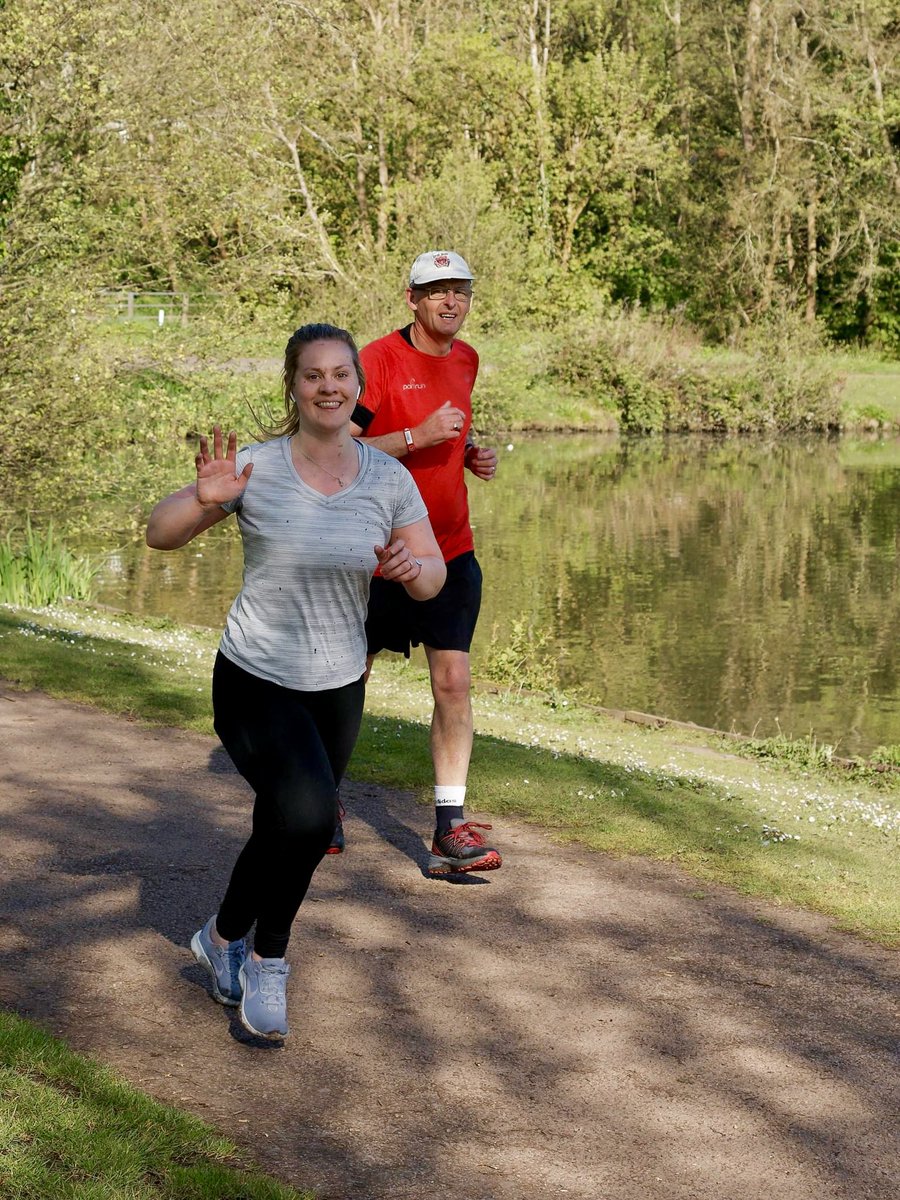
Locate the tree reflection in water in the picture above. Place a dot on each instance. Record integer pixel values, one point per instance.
(736, 583)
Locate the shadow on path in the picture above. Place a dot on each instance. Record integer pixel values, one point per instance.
(571, 1026)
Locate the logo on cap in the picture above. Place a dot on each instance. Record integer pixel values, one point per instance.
(442, 260)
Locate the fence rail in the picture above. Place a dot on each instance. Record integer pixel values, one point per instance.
(159, 307)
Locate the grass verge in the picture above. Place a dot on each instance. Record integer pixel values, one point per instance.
(606, 371)
(824, 838)
(70, 1130)
(871, 394)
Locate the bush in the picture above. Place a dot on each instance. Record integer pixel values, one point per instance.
(659, 379)
(888, 755)
(519, 661)
(55, 388)
(807, 753)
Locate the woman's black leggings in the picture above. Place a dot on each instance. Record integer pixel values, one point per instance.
(292, 748)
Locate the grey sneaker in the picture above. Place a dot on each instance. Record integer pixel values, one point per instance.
(222, 962)
(264, 1002)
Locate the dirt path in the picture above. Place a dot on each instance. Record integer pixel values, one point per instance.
(569, 1026)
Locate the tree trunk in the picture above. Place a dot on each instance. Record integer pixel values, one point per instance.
(768, 288)
(750, 82)
(673, 12)
(893, 165)
(383, 185)
(328, 255)
(362, 199)
(539, 55)
(812, 192)
(812, 256)
(574, 209)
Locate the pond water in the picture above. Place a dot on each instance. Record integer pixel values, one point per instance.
(740, 584)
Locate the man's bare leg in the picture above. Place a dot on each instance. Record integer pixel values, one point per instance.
(457, 847)
(451, 721)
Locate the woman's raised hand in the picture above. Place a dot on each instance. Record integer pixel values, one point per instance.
(216, 479)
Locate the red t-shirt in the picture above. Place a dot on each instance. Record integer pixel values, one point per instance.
(403, 387)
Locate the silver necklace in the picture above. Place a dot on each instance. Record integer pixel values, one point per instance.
(309, 458)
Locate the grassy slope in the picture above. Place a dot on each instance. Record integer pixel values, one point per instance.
(69, 1128)
(871, 383)
(508, 365)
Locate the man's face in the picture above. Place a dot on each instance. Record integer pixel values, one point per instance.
(441, 307)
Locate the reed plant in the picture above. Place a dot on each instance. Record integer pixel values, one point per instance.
(36, 569)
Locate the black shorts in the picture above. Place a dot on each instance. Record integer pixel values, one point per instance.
(446, 622)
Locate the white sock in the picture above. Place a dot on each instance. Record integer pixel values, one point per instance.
(449, 795)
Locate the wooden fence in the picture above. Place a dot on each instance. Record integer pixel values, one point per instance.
(160, 308)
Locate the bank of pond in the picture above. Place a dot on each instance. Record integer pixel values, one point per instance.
(742, 584)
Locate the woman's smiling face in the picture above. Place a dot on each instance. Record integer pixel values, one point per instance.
(325, 385)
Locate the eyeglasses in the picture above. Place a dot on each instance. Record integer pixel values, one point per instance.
(463, 295)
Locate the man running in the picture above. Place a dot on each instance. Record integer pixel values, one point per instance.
(418, 408)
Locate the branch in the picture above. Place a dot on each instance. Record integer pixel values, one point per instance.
(306, 193)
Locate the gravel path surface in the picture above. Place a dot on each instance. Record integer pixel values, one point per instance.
(572, 1025)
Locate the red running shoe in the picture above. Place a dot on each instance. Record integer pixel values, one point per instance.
(337, 839)
(462, 849)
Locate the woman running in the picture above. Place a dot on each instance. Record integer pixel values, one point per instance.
(318, 511)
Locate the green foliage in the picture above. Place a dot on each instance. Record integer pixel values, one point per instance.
(522, 385)
(656, 377)
(613, 158)
(55, 381)
(807, 753)
(868, 415)
(810, 755)
(72, 392)
(889, 755)
(577, 163)
(36, 569)
(494, 401)
(519, 660)
(156, 404)
(592, 149)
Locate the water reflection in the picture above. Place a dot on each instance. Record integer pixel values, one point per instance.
(739, 584)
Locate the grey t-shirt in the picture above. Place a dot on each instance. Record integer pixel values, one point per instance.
(308, 560)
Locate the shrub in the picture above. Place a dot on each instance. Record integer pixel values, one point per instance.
(659, 379)
(889, 755)
(519, 661)
(807, 753)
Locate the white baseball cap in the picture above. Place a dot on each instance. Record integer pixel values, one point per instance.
(438, 264)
